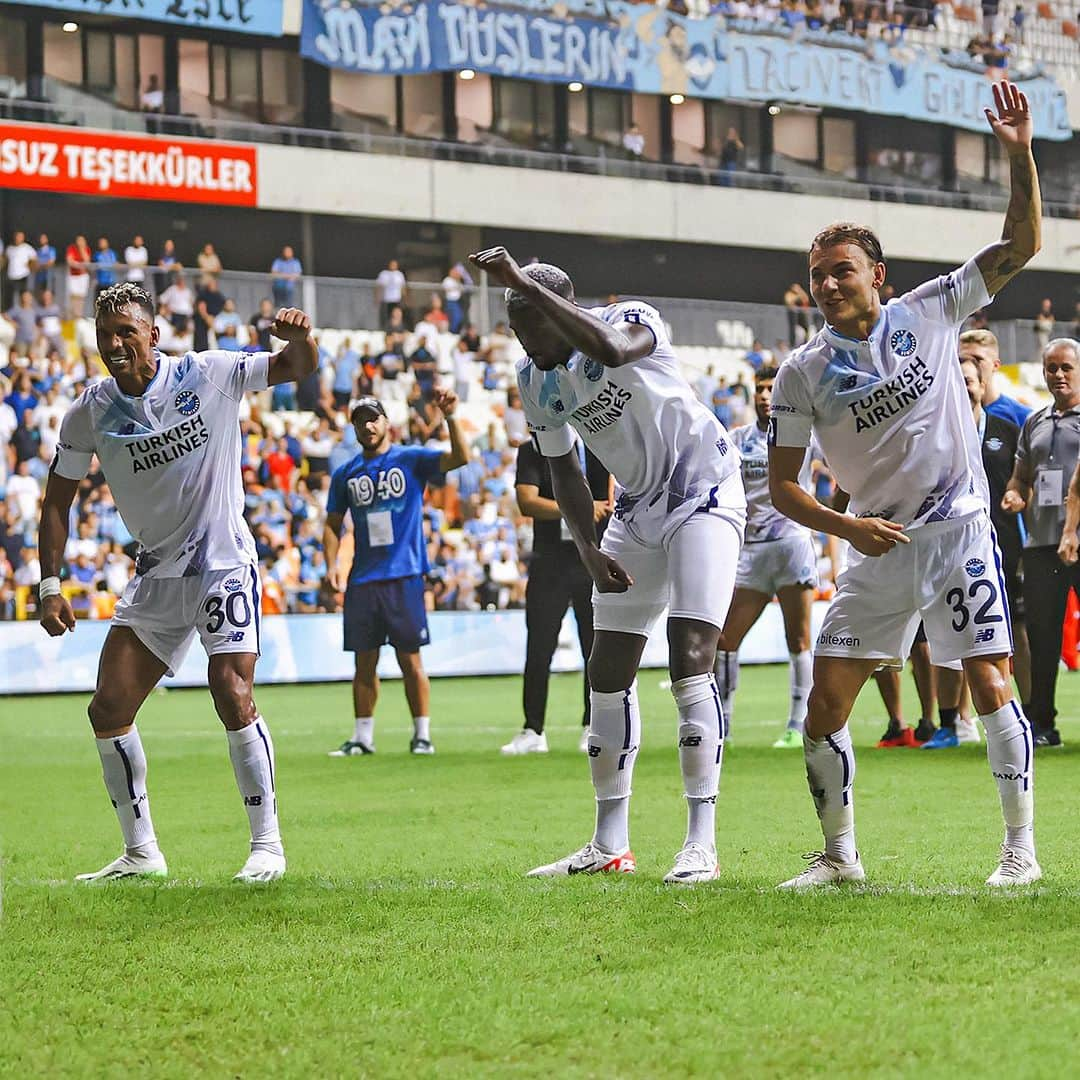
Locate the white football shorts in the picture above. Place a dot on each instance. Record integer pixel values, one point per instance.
(222, 606)
(691, 571)
(950, 576)
(772, 565)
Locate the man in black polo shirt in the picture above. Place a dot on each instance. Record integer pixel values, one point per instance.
(1046, 458)
(557, 579)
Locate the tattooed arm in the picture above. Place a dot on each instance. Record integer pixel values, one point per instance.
(1021, 237)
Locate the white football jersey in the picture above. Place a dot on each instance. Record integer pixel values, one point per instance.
(172, 459)
(642, 420)
(763, 520)
(891, 414)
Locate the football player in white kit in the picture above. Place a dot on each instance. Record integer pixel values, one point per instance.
(166, 432)
(881, 389)
(611, 375)
(778, 559)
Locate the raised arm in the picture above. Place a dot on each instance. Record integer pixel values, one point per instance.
(300, 357)
(609, 345)
(446, 402)
(1021, 236)
(56, 614)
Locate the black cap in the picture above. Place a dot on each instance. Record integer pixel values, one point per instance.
(367, 404)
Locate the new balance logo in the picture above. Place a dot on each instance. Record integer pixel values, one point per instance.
(984, 635)
(594, 751)
(690, 740)
(235, 635)
(253, 800)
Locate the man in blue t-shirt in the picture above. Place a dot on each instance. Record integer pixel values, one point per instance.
(981, 347)
(383, 490)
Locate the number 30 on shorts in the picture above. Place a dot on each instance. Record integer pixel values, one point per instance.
(235, 610)
(983, 590)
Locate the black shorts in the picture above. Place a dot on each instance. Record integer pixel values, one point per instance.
(392, 611)
(1014, 587)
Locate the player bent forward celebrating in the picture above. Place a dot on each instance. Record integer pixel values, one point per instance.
(778, 559)
(611, 374)
(882, 391)
(166, 432)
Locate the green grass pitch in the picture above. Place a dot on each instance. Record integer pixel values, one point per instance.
(406, 942)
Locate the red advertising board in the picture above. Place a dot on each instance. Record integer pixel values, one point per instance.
(74, 161)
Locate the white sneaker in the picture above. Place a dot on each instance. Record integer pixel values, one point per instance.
(583, 742)
(589, 860)
(1017, 867)
(262, 866)
(129, 866)
(352, 748)
(824, 871)
(694, 864)
(526, 742)
(967, 731)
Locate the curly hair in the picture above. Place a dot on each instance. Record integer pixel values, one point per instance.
(111, 300)
(848, 232)
(550, 277)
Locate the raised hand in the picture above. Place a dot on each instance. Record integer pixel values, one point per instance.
(1012, 125)
(500, 266)
(445, 401)
(291, 324)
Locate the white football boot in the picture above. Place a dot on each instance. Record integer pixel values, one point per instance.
(694, 864)
(824, 871)
(525, 742)
(589, 860)
(262, 866)
(1017, 867)
(129, 866)
(967, 731)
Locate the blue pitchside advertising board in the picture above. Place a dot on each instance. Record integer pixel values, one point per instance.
(645, 48)
(239, 16)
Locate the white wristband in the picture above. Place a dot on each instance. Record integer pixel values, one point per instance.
(49, 586)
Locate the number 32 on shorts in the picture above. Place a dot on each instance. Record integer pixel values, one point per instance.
(982, 590)
(234, 609)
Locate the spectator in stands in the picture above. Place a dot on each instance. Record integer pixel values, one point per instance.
(260, 325)
(758, 355)
(209, 304)
(23, 317)
(280, 466)
(423, 366)
(1044, 324)
(1046, 456)
(167, 339)
(721, 402)
(209, 264)
(472, 337)
(285, 273)
(136, 258)
(730, 154)
(989, 18)
(227, 327)
(436, 315)
(391, 290)
(392, 357)
(180, 301)
(453, 291)
(20, 258)
(168, 264)
(26, 439)
(797, 303)
(1018, 18)
(463, 369)
(634, 142)
(316, 448)
(105, 264)
(517, 427)
(153, 97)
(45, 265)
(346, 367)
(705, 386)
(49, 322)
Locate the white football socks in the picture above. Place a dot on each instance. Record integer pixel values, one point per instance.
(726, 670)
(123, 765)
(252, 752)
(364, 731)
(701, 747)
(614, 736)
(1010, 752)
(830, 772)
(422, 727)
(802, 677)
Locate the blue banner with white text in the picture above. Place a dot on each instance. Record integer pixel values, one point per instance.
(239, 16)
(647, 49)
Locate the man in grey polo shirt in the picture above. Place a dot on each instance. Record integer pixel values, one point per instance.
(1046, 458)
